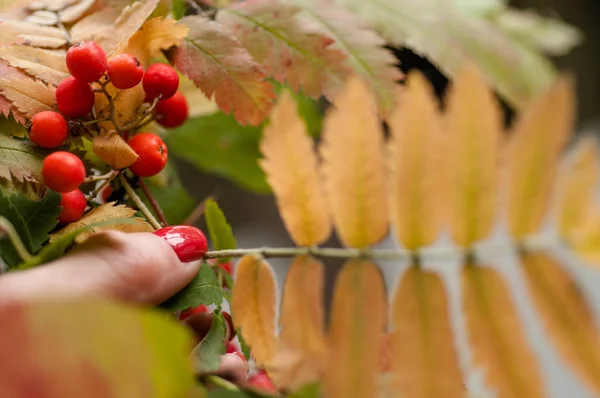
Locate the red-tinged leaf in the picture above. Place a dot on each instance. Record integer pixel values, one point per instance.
(219, 65)
(291, 49)
(26, 95)
(59, 349)
(5, 104)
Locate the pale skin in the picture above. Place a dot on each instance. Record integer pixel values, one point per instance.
(137, 268)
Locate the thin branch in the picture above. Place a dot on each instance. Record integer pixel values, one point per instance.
(111, 105)
(153, 203)
(108, 176)
(220, 382)
(15, 239)
(198, 211)
(138, 202)
(105, 183)
(142, 116)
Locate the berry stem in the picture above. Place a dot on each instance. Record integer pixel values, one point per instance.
(138, 202)
(15, 239)
(198, 211)
(159, 213)
(108, 176)
(142, 116)
(220, 382)
(105, 183)
(111, 105)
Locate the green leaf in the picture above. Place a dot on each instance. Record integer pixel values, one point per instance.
(243, 345)
(308, 391)
(220, 393)
(7, 251)
(221, 235)
(204, 289)
(218, 145)
(208, 353)
(309, 109)
(20, 160)
(174, 200)
(178, 8)
(67, 342)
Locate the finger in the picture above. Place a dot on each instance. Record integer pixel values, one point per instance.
(138, 267)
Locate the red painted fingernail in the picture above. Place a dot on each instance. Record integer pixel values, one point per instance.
(189, 242)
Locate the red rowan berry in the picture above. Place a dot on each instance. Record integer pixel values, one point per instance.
(86, 61)
(189, 243)
(160, 79)
(63, 171)
(152, 152)
(125, 71)
(48, 129)
(74, 98)
(172, 112)
(193, 311)
(105, 193)
(73, 205)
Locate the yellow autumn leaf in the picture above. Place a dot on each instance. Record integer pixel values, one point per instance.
(536, 144)
(567, 317)
(496, 336)
(199, 104)
(253, 306)
(30, 34)
(290, 164)
(353, 167)
(155, 35)
(48, 66)
(28, 96)
(358, 318)
(425, 361)
(107, 211)
(414, 151)
(113, 150)
(585, 239)
(577, 184)
(471, 158)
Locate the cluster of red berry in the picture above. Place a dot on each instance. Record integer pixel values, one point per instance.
(87, 63)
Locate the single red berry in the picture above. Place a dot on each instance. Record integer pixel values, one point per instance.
(153, 154)
(262, 381)
(48, 129)
(63, 171)
(73, 205)
(227, 267)
(193, 311)
(231, 348)
(160, 79)
(86, 61)
(229, 321)
(105, 193)
(125, 71)
(189, 242)
(74, 98)
(172, 112)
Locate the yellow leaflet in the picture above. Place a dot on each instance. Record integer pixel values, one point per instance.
(471, 160)
(496, 336)
(155, 35)
(537, 141)
(567, 317)
(353, 167)
(290, 164)
(425, 363)
(358, 318)
(253, 306)
(45, 65)
(414, 162)
(28, 96)
(577, 181)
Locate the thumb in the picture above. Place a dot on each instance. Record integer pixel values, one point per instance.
(140, 268)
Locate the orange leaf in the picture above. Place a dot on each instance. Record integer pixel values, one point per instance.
(28, 96)
(113, 150)
(290, 164)
(48, 66)
(424, 362)
(218, 64)
(358, 317)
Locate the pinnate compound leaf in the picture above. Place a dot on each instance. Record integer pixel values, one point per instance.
(290, 49)
(353, 167)
(364, 49)
(471, 158)
(425, 361)
(47, 66)
(253, 306)
(8, 253)
(204, 289)
(221, 235)
(577, 182)
(31, 34)
(358, 318)
(73, 13)
(207, 354)
(105, 212)
(496, 336)
(155, 35)
(534, 151)
(28, 96)
(567, 317)
(20, 160)
(219, 65)
(414, 149)
(291, 166)
(65, 349)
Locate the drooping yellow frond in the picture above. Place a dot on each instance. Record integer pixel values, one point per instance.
(496, 336)
(425, 363)
(414, 156)
(358, 318)
(585, 239)
(538, 139)
(353, 167)
(290, 163)
(253, 306)
(567, 317)
(471, 159)
(577, 181)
